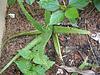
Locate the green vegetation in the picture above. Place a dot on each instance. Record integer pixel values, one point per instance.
(32, 60)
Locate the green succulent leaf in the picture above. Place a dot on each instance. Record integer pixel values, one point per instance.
(71, 13)
(23, 65)
(45, 36)
(28, 68)
(79, 4)
(36, 70)
(97, 4)
(57, 45)
(39, 69)
(11, 2)
(56, 17)
(39, 58)
(42, 59)
(67, 30)
(37, 25)
(30, 73)
(29, 1)
(25, 52)
(50, 5)
(39, 51)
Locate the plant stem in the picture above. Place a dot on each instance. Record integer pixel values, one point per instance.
(13, 59)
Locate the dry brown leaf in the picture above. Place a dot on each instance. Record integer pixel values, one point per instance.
(74, 69)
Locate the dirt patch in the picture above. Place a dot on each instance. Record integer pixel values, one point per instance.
(80, 45)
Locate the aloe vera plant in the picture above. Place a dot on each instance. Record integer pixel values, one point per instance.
(32, 59)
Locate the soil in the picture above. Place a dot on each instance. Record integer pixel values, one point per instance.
(75, 48)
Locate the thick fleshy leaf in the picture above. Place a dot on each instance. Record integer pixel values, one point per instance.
(39, 69)
(30, 73)
(25, 52)
(42, 59)
(23, 65)
(36, 70)
(56, 17)
(67, 30)
(71, 13)
(97, 4)
(28, 68)
(79, 4)
(57, 45)
(39, 57)
(29, 1)
(37, 25)
(39, 52)
(50, 5)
